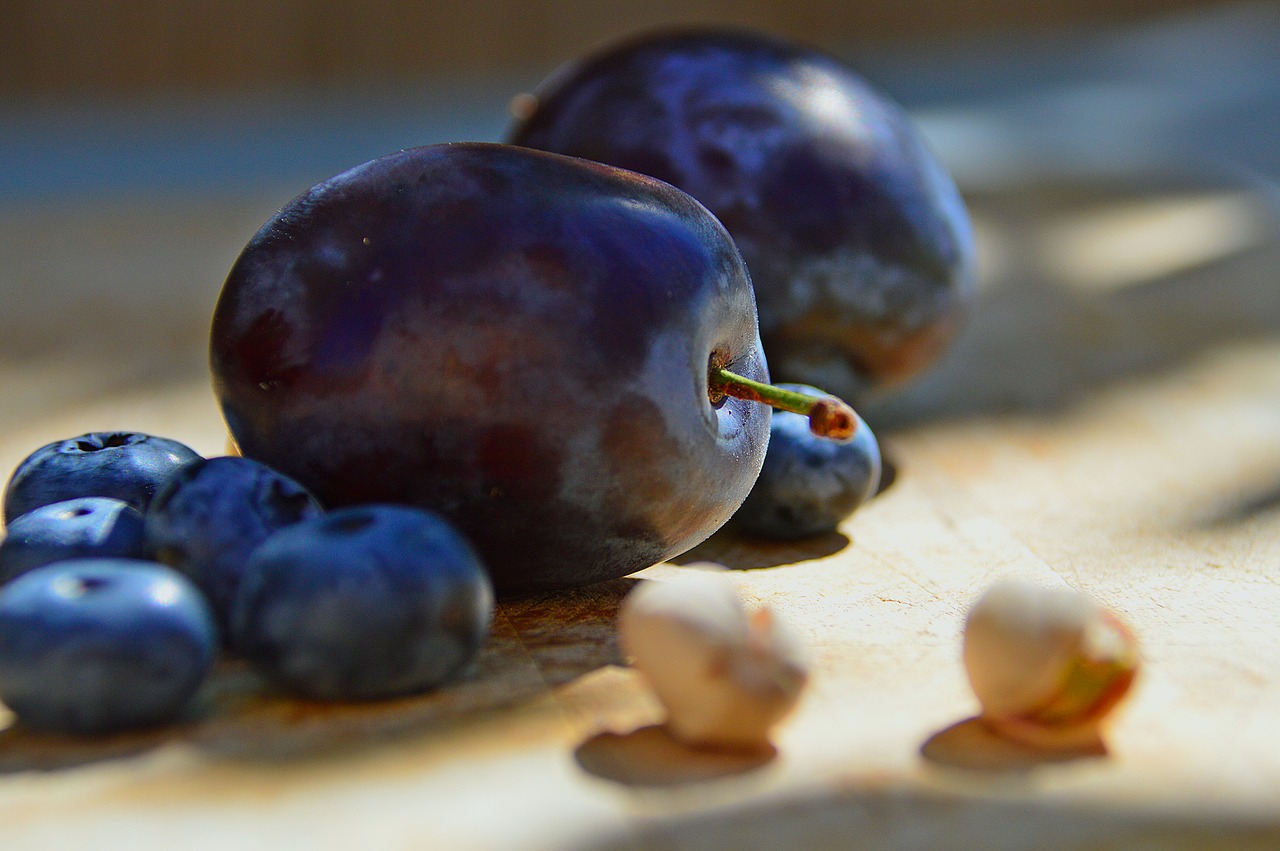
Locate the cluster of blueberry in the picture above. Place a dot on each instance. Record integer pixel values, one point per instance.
(129, 559)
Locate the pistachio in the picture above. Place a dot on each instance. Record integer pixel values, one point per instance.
(726, 676)
(1047, 664)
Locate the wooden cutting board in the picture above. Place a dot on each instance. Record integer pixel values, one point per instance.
(1110, 421)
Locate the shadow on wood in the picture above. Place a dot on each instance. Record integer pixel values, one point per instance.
(970, 744)
(870, 817)
(536, 644)
(738, 551)
(1044, 335)
(651, 757)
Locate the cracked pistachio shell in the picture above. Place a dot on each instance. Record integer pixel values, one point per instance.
(1046, 663)
(726, 676)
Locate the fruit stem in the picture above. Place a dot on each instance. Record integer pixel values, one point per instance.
(828, 416)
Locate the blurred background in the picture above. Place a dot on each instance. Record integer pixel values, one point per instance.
(224, 95)
(63, 47)
(1101, 144)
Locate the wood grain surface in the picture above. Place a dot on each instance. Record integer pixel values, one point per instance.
(1109, 421)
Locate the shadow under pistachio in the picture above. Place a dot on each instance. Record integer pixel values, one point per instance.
(972, 745)
(651, 757)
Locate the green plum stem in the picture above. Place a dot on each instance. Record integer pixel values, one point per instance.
(828, 416)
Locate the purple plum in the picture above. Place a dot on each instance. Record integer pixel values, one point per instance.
(518, 340)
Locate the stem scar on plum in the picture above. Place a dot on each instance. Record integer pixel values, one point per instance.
(715, 392)
(829, 417)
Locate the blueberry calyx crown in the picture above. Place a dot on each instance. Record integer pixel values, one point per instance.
(105, 440)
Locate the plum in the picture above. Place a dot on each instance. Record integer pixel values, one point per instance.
(858, 242)
(520, 341)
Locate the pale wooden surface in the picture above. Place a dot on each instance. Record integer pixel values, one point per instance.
(1111, 420)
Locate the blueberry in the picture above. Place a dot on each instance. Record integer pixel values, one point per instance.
(809, 484)
(366, 602)
(124, 465)
(213, 513)
(99, 645)
(92, 526)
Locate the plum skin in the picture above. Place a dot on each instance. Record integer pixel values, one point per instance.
(858, 242)
(514, 339)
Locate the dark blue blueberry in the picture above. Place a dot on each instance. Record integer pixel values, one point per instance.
(124, 465)
(212, 515)
(808, 483)
(366, 602)
(98, 645)
(92, 526)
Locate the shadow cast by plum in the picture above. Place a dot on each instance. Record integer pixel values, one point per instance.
(1038, 344)
(739, 551)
